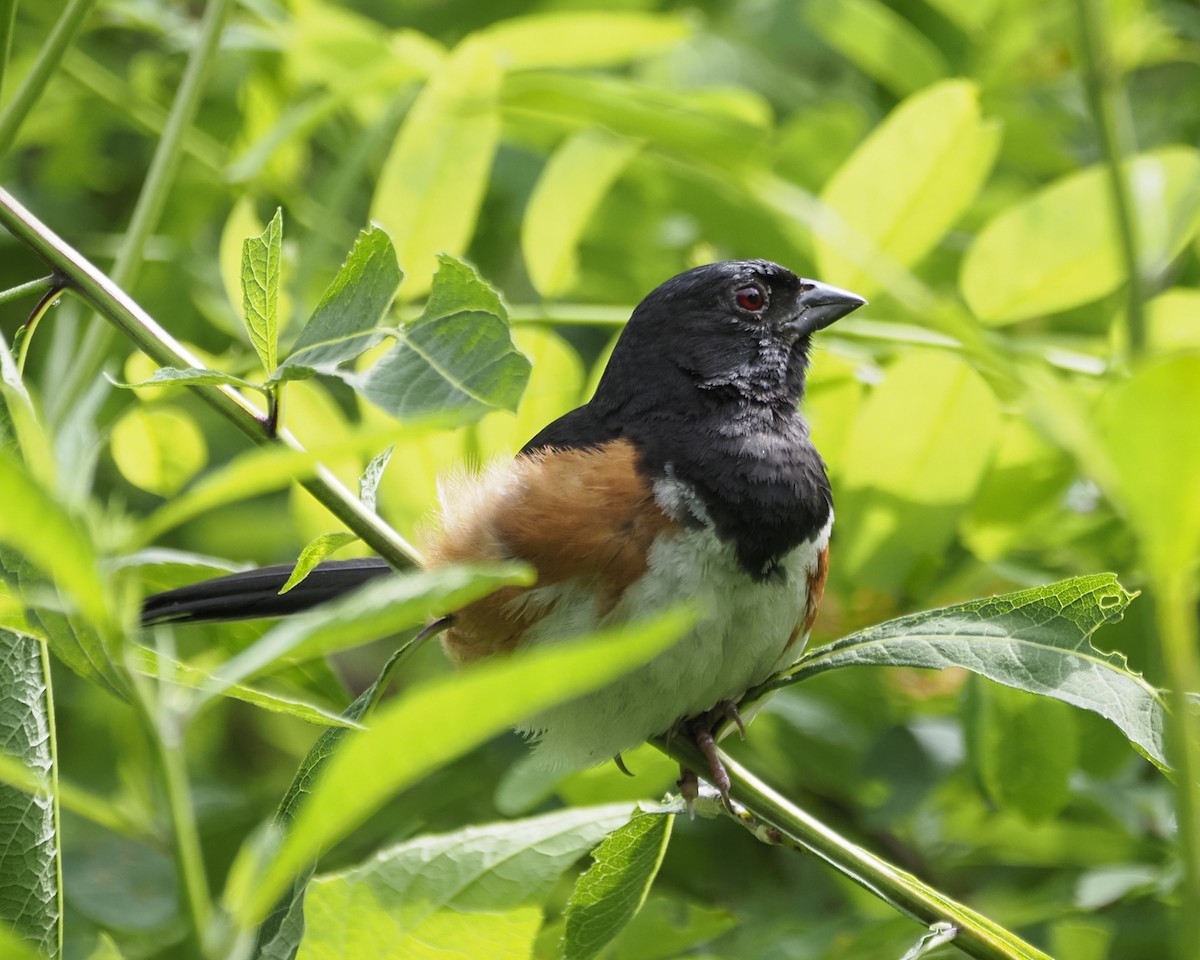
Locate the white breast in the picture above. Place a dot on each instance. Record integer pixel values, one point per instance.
(741, 639)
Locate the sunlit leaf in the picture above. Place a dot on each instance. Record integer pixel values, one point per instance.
(572, 185)
(381, 608)
(614, 888)
(555, 386)
(1150, 426)
(260, 289)
(1037, 640)
(52, 540)
(476, 892)
(879, 41)
(315, 551)
(908, 183)
(30, 899)
(584, 38)
(433, 180)
(158, 449)
(241, 223)
(1059, 248)
(710, 130)
(915, 455)
(456, 361)
(190, 377)
(470, 708)
(343, 325)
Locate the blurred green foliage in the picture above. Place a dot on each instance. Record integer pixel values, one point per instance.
(1019, 403)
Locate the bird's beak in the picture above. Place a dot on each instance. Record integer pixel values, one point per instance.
(821, 304)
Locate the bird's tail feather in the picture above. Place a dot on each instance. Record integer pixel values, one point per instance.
(255, 593)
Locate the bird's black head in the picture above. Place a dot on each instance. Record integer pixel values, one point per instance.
(739, 329)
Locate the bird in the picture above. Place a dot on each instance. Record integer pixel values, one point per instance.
(690, 473)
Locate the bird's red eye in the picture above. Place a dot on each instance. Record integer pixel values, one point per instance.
(750, 298)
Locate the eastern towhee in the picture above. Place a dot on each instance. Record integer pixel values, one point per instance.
(689, 474)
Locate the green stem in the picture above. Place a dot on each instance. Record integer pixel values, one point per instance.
(15, 111)
(25, 334)
(775, 819)
(141, 112)
(8, 21)
(114, 304)
(1175, 610)
(1100, 79)
(25, 289)
(164, 730)
(153, 197)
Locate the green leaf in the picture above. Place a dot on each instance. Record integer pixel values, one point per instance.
(614, 888)
(908, 183)
(15, 947)
(191, 377)
(574, 182)
(457, 361)
(1059, 248)
(710, 130)
(1037, 640)
(476, 892)
(53, 540)
(433, 181)
(280, 933)
(1023, 749)
(153, 664)
(666, 928)
(582, 38)
(468, 709)
(879, 41)
(555, 386)
(343, 325)
(260, 289)
(30, 897)
(1150, 429)
(248, 475)
(915, 456)
(158, 449)
(368, 483)
(379, 608)
(314, 552)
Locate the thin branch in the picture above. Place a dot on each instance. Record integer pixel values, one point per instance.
(153, 197)
(25, 335)
(775, 819)
(40, 285)
(48, 58)
(114, 304)
(1103, 97)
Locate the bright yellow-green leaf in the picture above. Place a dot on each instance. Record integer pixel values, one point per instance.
(261, 257)
(915, 457)
(1060, 249)
(1172, 322)
(434, 178)
(467, 709)
(589, 38)
(1150, 426)
(879, 41)
(241, 223)
(571, 187)
(52, 540)
(555, 386)
(158, 449)
(907, 184)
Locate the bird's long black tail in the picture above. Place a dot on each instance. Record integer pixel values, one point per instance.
(255, 593)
